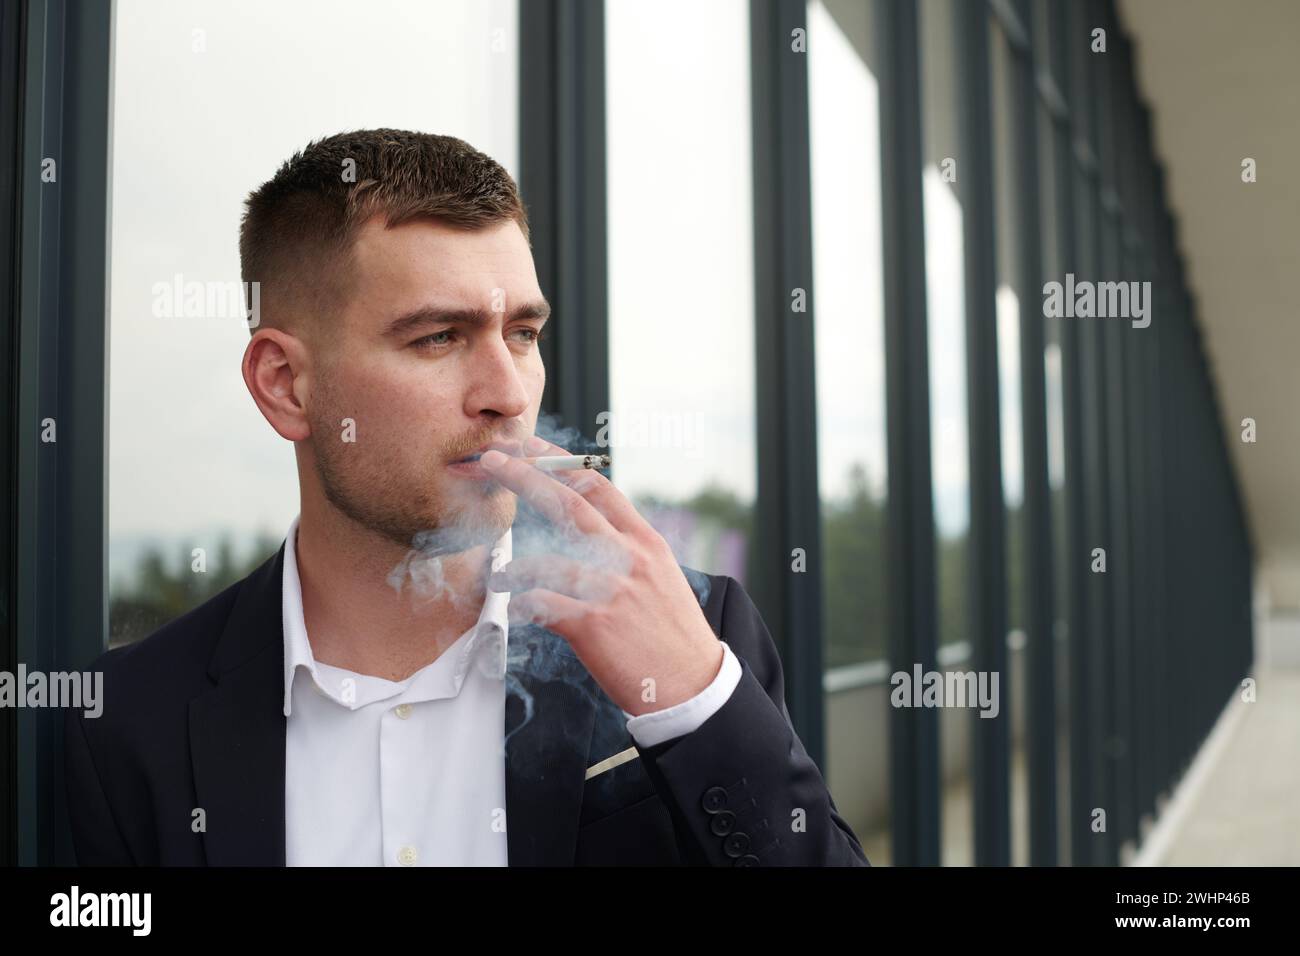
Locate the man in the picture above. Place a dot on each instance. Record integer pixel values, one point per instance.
(408, 681)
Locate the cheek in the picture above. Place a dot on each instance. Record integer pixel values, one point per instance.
(399, 408)
(535, 377)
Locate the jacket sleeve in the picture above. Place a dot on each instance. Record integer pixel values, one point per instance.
(741, 788)
(96, 838)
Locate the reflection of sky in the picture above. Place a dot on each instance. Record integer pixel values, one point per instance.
(188, 449)
(1055, 417)
(1008, 311)
(681, 283)
(845, 130)
(945, 306)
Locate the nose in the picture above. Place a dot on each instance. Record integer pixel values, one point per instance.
(497, 386)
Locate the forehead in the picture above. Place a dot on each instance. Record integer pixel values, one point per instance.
(411, 264)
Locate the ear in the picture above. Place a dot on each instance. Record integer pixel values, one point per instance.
(276, 371)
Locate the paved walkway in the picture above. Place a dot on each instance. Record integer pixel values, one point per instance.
(1238, 805)
(1244, 810)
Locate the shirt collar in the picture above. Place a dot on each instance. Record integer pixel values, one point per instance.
(490, 631)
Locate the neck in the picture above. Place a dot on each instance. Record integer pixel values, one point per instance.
(358, 621)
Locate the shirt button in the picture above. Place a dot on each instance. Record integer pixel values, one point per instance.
(402, 710)
(406, 856)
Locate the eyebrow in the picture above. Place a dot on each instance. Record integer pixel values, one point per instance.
(437, 315)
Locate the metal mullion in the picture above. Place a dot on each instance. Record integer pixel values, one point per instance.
(788, 509)
(1117, 579)
(1169, 517)
(1040, 720)
(62, 594)
(912, 614)
(1097, 845)
(12, 38)
(1145, 437)
(1131, 168)
(990, 737)
(1178, 544)
(1055, 30)
(563, 179)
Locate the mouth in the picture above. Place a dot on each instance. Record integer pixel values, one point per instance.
(513, 450)
(469, 467)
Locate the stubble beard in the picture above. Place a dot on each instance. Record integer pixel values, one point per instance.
(428, 512)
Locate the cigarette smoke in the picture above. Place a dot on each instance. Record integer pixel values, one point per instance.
(532, 652)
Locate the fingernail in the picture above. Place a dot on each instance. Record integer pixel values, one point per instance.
(493, 459)
(535, 445)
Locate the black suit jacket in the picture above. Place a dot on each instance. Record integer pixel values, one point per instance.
(193, 717)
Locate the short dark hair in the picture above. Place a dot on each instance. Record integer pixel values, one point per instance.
(299, 226)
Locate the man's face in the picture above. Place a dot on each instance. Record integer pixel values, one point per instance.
(427, 387)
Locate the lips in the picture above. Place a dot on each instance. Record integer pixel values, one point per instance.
(503, 447)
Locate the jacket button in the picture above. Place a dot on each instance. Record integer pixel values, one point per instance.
(723, 822)
(747, 860)
(736, 844)
(715, 798)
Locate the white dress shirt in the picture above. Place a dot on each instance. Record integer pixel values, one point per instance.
(412, 773)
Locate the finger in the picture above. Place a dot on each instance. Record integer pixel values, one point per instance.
(595, 487)
(546, 608)
(557, 502)
(537, 445)
(577, 579)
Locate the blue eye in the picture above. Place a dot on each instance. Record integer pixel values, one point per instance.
(433, 341)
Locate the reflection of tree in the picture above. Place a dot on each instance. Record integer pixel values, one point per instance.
(724, 507)
(161, 590)
(852, 560)
(853, 573)
(954, 594)
(951, 593)
(853, 533)
(709, 531)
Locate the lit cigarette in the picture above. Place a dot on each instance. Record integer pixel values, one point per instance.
(568, 462)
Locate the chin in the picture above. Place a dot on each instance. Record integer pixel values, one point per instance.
(487, 518)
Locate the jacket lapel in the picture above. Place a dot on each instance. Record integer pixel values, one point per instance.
(550, 713)
(237, 730)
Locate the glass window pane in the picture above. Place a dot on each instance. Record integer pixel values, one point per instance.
(1052, 138)
(849, 313)
(849, 338)
(192, 463)
(681, 316)
(946, 305)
